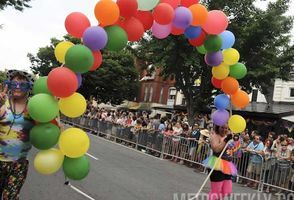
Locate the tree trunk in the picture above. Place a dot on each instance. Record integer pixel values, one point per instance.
(269, 94)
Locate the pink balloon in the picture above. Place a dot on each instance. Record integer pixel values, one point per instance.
(161, 31)
(216, 23)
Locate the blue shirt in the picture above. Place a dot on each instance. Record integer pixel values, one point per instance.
(256, 147)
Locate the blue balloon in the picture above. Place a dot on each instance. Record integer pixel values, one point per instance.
(221, 102)
(228, 39)
(192, 32)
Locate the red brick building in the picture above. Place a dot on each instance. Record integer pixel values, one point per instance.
(153, 88)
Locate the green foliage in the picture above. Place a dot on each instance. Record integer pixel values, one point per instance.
(16, 4)
(263, 38)
(2, 76)
(115, 81)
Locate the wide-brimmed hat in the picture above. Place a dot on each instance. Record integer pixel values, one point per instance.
(205, 132)
(13, 72)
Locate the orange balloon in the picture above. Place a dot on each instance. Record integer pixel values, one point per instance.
(230, 85)
(199, 13)
(106, 12)
(240, 99)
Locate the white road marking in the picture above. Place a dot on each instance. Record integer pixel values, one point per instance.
(91, 156)
(80, 192)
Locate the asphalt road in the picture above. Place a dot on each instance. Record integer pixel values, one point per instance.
(120, 173)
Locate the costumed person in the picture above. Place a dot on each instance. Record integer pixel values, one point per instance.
(224, 169)
(15, 125)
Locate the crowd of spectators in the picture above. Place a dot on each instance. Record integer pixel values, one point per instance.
(258, 156)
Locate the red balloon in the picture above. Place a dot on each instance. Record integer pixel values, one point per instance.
(127, 8)
(97, 60)
(173, 3)
(163, 13)
(188, 3)
(199, 40)
(133, 27)
(177, 31)
(62, 82)
(216, 82)
(146, 19)
(216, 23)
(76, 23)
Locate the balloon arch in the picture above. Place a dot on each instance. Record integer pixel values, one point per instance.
(120, 22)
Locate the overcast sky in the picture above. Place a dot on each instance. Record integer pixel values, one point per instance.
(24, 32)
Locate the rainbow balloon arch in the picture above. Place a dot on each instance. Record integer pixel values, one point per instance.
(120, 22)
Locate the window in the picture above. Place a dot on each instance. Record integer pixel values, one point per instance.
(146, 93)
(151, 94)
(254, 95)
(291, 92)
(161, 95)
(172, 93)
(183, 101)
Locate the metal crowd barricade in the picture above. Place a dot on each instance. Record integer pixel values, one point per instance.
(266, 174)
(278, 175)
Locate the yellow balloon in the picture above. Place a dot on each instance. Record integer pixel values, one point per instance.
(221, 72)
(74, 142)
(48, 161)
(61, 49)
(73, 106)
(237, 123)
(231, 56)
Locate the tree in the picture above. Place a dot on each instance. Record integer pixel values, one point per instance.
(17, 4)
(116, 80)
(263, 39)
(2, 76)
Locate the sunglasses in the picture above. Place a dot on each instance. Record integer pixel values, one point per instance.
(13, 85)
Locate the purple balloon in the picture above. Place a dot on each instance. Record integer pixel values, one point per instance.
(220, 117)
(95, 38)
(161, 31)
(183, 17)
(214, 58)
(79, 77)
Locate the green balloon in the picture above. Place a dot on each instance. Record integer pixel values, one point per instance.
(40, 86)
(44, 136)
(238, 71)
(76, 168)
(213, 43)
(117, 38)
(201, 49)
(43, 107)
(79, 58)
(147, 4)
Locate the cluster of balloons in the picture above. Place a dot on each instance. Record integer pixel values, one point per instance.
(118, 23)
(57, 93)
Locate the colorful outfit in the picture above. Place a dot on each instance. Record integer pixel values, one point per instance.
(221, 177)
(14, 147)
